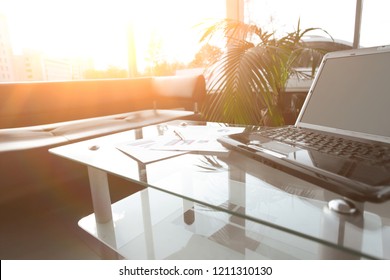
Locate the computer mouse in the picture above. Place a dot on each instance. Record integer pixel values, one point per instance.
(94, 147)
(342, 206)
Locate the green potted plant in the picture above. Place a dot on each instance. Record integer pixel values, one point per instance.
(247, 82)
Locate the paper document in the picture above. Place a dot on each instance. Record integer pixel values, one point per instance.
(178, 141)
(141, 151)
(189, 145)
(196, 139)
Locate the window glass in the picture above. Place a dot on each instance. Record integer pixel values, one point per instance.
(91, 37)
(375, 23)
(281, 16)
(169, 32)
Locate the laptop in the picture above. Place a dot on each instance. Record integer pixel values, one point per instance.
(341, 139)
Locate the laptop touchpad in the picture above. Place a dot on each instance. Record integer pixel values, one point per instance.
(279, 147)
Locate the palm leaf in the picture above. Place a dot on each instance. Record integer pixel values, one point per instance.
(248, 81)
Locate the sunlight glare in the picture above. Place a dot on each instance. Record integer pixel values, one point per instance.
(98, 28)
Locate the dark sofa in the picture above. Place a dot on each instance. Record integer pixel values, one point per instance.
(40, 115)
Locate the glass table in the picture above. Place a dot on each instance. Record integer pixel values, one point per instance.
(216, 204)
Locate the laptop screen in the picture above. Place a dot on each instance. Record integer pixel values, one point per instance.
(351, 93)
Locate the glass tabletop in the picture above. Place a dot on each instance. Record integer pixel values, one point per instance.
(154, 225)
(232, 183)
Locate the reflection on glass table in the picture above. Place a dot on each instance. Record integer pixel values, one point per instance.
(251, 204)
(154, 225)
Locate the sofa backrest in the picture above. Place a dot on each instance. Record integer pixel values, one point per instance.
(36, 103)
(179, 91)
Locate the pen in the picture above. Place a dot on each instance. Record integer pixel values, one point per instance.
(178, 134)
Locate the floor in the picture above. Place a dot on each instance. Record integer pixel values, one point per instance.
(43, 225)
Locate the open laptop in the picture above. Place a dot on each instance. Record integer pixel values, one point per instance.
(341, 139)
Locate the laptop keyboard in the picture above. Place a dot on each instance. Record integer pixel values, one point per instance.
(371, 152)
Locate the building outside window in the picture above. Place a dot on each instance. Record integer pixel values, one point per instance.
(6, 51)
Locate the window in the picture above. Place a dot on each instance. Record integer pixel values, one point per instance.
(375, 23)
(334, 16)
(159, 36)
(97, 34)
